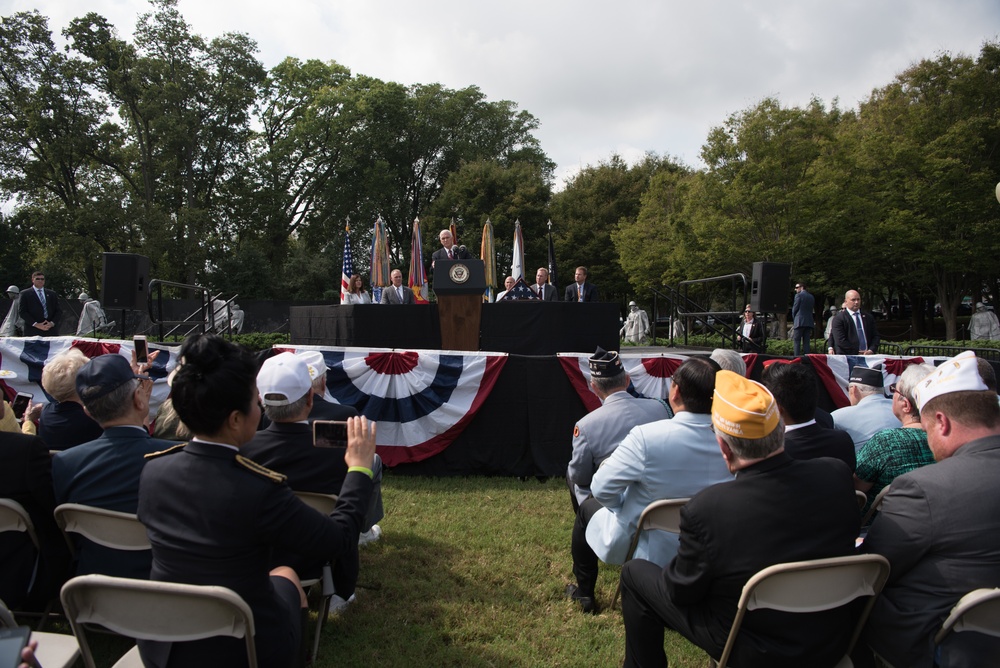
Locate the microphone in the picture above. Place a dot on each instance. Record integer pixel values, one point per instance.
(454, 250)
(462, 248)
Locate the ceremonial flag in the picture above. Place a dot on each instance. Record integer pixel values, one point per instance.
(380, 261)
(454, 232)
(552, 260)
(348, 268)
(489, 256)
(517, 265)
(520, 292)
(418, 277)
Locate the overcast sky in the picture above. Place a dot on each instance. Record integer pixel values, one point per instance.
(622, 77)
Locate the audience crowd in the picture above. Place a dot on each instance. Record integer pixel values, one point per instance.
(767, 476)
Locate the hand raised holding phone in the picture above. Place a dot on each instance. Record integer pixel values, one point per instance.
(360, 442)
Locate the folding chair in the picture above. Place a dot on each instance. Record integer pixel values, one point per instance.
(811, 586)
(110, 528)
(978, 611)
(876, 504)
(14, 517)
(862, 498)
(663, 515)
(55, 650)
(324, 503)
(164, 611)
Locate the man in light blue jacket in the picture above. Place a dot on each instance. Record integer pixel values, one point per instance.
(674, 458)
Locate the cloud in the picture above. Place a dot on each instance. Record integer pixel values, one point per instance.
(602, 78)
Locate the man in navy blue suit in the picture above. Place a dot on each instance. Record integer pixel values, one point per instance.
(105, 472)
(39, 308)
(581, 290)
(802, 319)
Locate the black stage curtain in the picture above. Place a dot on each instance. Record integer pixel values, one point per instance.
(524, 328)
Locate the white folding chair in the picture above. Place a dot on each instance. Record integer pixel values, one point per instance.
(663, 515)
(324, 503)
(876, 504)
(978, 611)
(811, 586)
(146, 610)
(110, 528)
(55, 650)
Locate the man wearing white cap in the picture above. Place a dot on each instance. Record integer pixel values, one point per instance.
(939, 526)
(777, 510)
(286, 446)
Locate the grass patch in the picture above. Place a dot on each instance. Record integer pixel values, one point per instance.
(471, 572)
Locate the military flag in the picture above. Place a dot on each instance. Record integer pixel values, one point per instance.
(418, 277)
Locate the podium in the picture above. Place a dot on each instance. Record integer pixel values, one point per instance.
(459, 286)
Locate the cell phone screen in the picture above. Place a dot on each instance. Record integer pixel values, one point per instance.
(141, 352)
(12, 641)
(21, 404)
(329, 434)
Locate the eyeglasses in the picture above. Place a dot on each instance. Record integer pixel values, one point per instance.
(892, 388)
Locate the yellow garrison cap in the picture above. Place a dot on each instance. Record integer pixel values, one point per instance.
(742, 407)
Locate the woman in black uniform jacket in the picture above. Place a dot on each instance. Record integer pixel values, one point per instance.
(213, 516)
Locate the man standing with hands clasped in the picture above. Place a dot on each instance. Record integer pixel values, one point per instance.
(39, 308)
(854, 331)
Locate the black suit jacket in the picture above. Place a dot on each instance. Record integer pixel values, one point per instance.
(845, 334)
(30, 309)
(589, 292)
(287, 447)
(26, 477)
(324, 410)
(755, 343)
(442, 254)
(214, 518)
(778, 510)
(817, 441)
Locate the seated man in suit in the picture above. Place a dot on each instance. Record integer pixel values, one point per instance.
(546, 292)
(286, 446)
(794, 388)
(598, 433)
(448, 250)
(870, 410)
(105, 472)
(580, 290)
(939, 526)
(397, 293)
(666, 459)
(730, 532)
(323, 408)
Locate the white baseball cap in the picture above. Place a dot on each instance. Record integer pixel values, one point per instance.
(283, 379)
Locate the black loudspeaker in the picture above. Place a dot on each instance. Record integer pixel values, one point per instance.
(124, 281)
(769, 288)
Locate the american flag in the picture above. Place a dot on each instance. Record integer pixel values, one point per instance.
(519, 292)
(348, 269)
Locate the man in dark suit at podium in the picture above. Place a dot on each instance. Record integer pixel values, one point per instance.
(448, 250)
(397, 293)
(581, 290)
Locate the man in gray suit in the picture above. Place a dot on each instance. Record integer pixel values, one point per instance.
(939, 527)
(397, 293)
(599, 432)
(545, 291)
(802, 319)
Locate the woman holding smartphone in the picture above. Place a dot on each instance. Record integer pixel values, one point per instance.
(213, 517)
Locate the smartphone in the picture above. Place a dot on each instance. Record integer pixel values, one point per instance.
(12, 641)
(141, 350)
(330, 434)
(21, 404)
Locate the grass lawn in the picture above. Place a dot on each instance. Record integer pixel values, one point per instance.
(471, 572)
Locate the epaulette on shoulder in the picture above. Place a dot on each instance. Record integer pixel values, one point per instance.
(263, 471)
(169, 451)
